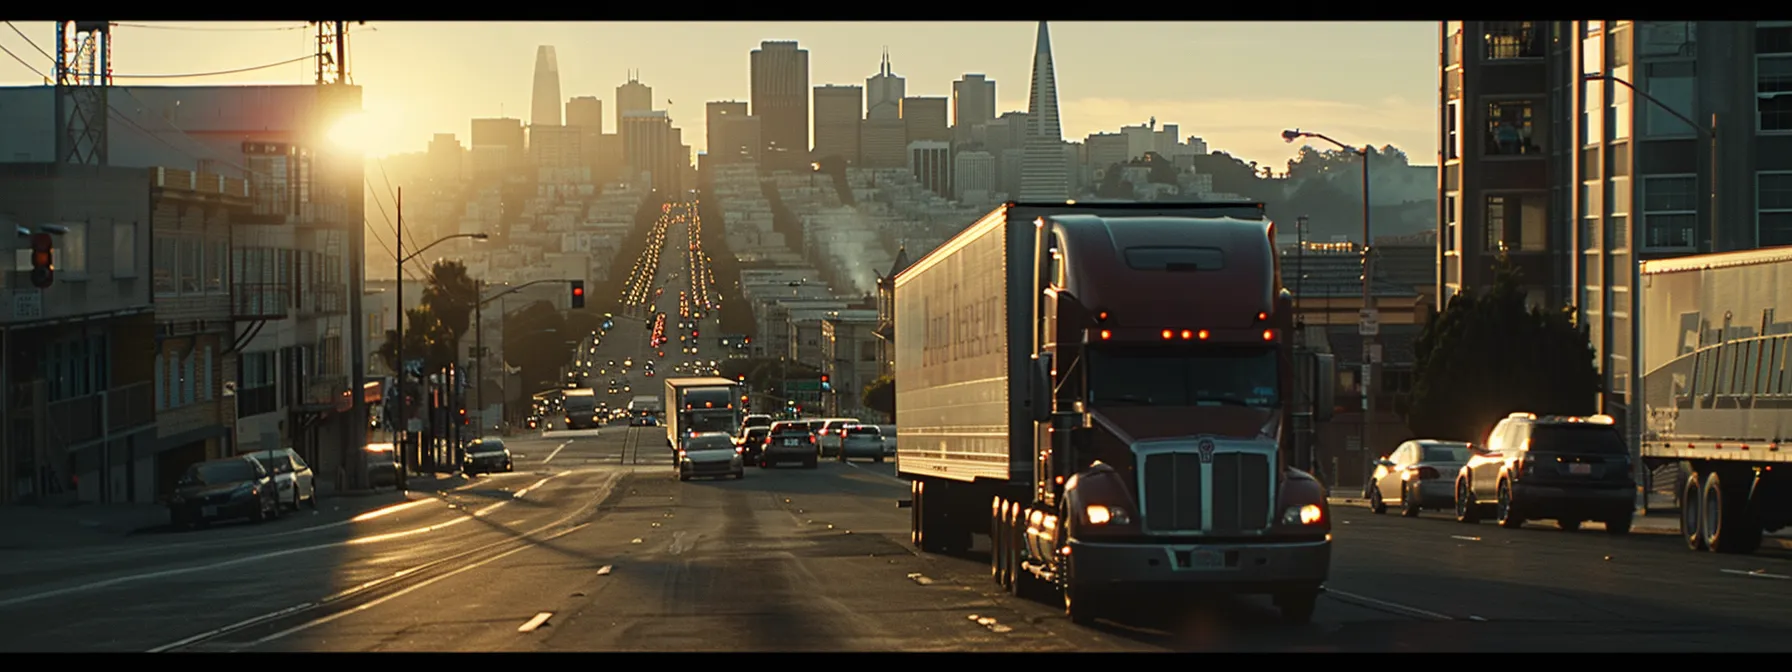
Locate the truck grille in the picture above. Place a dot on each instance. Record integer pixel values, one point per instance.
(1236, 495)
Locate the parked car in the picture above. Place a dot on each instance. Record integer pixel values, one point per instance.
(863, 442)
(484, 456)
(293, 479)
(789, 442)
(382, 465)
(830, 433)
(224, 489)
(1419, 474)
(710, 454)
(1570, 469)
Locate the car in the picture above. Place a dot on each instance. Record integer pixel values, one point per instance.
(754, 420)
(789, 442)
(829, 434)
(710, 454)
(293, 479)
(487, 455)
(1419, 474)
(1567, 468)
(382, 465)
(224, 489)
(861, 441)
(752, 442)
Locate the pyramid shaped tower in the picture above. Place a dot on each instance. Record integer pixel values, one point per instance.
(1045, 170)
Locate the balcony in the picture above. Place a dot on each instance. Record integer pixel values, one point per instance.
(84, 419)
(1508, 40)
(326, 392)
(259, 300)
(323, 300)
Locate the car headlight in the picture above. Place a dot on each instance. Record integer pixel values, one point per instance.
(1097, 514)
(1306, 514)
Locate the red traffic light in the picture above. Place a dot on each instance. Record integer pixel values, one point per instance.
(578, 291)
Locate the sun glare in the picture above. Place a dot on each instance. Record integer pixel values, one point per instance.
(365, 131)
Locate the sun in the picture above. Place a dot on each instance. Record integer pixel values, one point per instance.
(364, 132)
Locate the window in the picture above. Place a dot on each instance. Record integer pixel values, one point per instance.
(1452, 139)
(124, 250)
(1592, 209)
(1592, 115)
(1773, 76)
(1513, 129)
(161, 382)
(192, 254)
(1773, 200)
(1512, 39)
(1494, 222)
(71, 249)
(1667, 38)
(1670, 212)
(166, 259)
(189, 377)
(1516, 222)
(1673, 85)
(214, 265)
(205, 375)
(1449, 217)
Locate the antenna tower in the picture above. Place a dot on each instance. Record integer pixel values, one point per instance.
(83, 75)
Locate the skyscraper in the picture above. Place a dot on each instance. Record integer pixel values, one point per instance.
(884, 92)
(632, 96)
(1044, 175)
(924, 118)
(649, 146)
(732, 135)
(780, 72)
(973, 103)
(883, 140)
(586, 112)
(544, 109)
(838, 110)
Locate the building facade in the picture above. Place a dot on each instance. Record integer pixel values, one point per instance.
(838, 113)
(925, 119)
(931, 163)
(780, 73)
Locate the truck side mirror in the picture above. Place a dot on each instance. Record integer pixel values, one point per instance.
(1040, 385)
(1325, 386)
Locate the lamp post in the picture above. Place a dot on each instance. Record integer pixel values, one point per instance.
(1368, 323)
(404, 421)
(1634, 379)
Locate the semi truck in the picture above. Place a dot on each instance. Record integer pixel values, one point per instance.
(581, 408)
(1109, 392)
(1717, 391)
(695, 405)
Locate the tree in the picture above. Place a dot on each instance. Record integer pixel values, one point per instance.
(451, 295)
(535, 341)
(1160, 170)
(1487, 356)
(1114, 184)
(880, 396)
(424, 338)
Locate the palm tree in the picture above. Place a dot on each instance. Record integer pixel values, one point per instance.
(451, 295)
(424, 337)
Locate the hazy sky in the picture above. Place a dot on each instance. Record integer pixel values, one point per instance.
(1235, 84)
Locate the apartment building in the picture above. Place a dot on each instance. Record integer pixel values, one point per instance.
(849, 349)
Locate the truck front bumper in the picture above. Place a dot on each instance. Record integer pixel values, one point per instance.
(1253, 567)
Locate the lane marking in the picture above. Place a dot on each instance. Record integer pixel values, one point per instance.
(605, 570)
(519, 494)
(364, 607)
(486, 510)
(389, 510)
(1395, 607)
(1459, 537)
(533, 623)
(234, 626)
(557, 449)
(1759, 574)
(886, 477)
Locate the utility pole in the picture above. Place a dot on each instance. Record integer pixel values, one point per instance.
(1369, 325)
(404, 372)
(479, 351)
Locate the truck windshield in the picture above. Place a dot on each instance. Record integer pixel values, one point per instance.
(715, 421)
(1177, 377)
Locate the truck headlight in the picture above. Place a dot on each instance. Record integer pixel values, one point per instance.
(1097, 514)
(1307, 514)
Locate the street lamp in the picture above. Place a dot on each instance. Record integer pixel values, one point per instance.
(1368, 324)
(398, 310)
(1634, 380)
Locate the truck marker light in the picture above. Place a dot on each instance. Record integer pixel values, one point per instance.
(1105, 334)
(1269, 334)
(1186, 334)
(1167, 334)
(1202, 334)
(1102, 316)
(1262, 316)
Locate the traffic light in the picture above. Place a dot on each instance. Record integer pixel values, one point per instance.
(463, 418)
(578, 293)
(825, 384)
(43, 265)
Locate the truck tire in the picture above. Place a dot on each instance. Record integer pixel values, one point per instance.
(1025, 585)
(1080, 603)
(998, 540)
(1692, 515)
(1728, 527)
(1297, 605)
(914, 514)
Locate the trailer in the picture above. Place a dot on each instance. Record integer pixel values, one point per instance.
(695, 405)
(1717, 391)
(1053, 366)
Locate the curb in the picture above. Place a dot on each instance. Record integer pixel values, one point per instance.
(1671, 530)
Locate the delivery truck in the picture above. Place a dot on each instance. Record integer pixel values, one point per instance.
(580, 405)
(1717, 391)
(696, 405)
(1109, 391)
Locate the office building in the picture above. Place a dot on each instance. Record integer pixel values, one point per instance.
(544, 107)
(446, 158)
(557, 146)
(884, 92)
(498, 145)
(838, 113)
(731, 133)
(586, 113)
(780, 73)
(925, 118)
(973, 105)
(649, 147)
(974, 176)
(632, 96)
(931, 163)
(1045, 172)
(883, 143)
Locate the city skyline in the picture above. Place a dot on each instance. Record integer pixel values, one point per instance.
(1370, 94)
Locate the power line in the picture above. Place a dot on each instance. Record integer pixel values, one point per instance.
(23, 62)
(211, 29)
(381, 162)
(27, 39)
(220, 72)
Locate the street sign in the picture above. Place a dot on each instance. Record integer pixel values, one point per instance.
(1368, 322)
(27, 304)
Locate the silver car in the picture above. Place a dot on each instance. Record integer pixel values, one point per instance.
(710, 454)
(863, 442)
(293, 480)
(1420, 474)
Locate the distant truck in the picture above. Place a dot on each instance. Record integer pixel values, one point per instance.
(1717, 391)
(644, 410)
(701, 405)
(1110, 392)
(580, 406)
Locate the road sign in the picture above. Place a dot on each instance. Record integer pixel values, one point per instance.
(1368, 322)
(27, 305)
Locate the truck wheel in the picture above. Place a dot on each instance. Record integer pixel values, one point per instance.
(915, 502)
(1692, 517)
(1297, 606)
(1507, 515)
(998, 541)
(1728, 526)
(879, 459)
(1080, 603)
(1467, 509)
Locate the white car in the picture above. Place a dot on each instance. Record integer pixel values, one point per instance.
(293, 479)
(863, 442)
(829, 435)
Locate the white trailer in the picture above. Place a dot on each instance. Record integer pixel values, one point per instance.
(1717, 391)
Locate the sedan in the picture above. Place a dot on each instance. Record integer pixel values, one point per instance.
(485, 456)
(292, 477)
(789, 442)
(232, 487)
(862, 441)
(1420, 474)
(710, 454)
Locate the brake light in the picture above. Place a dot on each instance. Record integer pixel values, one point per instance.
(1427, 473)
(811, 439)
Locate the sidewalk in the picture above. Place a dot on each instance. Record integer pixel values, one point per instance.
(1663, 518)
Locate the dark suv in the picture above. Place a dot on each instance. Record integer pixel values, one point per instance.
(790, 442)
(1569, 469)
